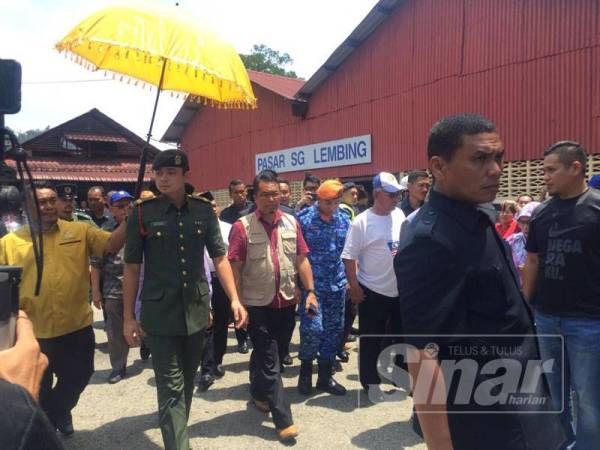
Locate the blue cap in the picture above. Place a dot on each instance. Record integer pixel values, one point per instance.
(120, 195)
(595, 182)
(387, 182)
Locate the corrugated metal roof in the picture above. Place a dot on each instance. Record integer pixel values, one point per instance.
(285, 87)
(97, 171)
(361, 33)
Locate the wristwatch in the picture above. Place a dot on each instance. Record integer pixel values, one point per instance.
(311, 291)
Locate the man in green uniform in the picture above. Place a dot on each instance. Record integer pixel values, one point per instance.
(65, 204)
(169, 233)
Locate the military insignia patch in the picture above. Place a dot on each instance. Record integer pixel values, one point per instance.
(177, 160)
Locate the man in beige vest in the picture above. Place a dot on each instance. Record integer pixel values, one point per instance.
(267, 253)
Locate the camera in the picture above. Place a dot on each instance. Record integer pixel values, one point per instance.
(10, 276)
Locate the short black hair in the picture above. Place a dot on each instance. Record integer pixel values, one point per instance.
(234, 183)
(265, 176)
(283, 181)
(41, 184)
(446, 136)
(568, 152)
(310, 178)
(416, 174)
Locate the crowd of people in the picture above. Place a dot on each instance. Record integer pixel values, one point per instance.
(425, 257)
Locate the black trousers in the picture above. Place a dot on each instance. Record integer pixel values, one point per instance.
(267, 327)
(288, 332)
(71, 361)
(350, 312)
(378, 315)
(215, 338)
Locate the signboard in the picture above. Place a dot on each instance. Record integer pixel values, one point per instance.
(341, 152)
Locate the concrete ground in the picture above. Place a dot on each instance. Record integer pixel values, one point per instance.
(123, 416)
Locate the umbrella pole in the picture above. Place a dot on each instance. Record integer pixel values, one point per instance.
(144, 155)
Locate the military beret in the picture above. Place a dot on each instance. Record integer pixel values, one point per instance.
(171, 158)
(66, 190)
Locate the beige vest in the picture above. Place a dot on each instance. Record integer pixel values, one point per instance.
(258, 274)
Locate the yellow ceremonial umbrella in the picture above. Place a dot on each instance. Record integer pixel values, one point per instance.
(165, 48)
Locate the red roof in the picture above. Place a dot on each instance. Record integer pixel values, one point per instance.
(284, 86)
(95, 171)
(94, 137)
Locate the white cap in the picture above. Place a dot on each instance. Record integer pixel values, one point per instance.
(527, 210)
(404, 183)
(387, 182)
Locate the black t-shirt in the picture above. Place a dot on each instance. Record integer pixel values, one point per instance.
(234, 212)
(23, 425)
(566, 236)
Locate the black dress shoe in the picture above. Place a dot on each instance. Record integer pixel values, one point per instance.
(343, 356)
(218, 371)
(116, 376)
(287, 360)
(144, 352)
(64, 424)
(243, 347)
(325, 381)
(336, 366)
(206, 381)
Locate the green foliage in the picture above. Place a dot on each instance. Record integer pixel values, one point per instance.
(265, 59)
(23, 136)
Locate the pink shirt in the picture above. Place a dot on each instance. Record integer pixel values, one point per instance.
(238, 244)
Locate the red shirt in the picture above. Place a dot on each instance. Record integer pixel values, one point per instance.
(238, 244)
(508, 231)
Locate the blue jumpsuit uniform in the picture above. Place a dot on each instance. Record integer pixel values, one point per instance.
(320, 335)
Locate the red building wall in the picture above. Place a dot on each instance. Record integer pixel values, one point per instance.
(532, 66)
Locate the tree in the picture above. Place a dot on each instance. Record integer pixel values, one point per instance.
(265, 59)
(23, 136)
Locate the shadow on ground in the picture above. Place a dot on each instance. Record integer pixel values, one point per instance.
(124, 433)
(391, 435)
(133, 370)
(249, 422)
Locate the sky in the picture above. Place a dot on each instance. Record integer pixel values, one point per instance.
(309, 31)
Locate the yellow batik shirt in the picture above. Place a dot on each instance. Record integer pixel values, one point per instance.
(62, 305)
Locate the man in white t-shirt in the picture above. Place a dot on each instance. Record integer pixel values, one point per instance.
(368, 255)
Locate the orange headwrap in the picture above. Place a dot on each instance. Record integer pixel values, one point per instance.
(330, 189)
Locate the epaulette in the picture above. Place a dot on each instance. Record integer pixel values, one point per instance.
(201, 198)
(424, 223)
(82, 215)
(139, 201)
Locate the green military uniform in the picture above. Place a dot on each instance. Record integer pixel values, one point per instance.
(175, 301)
(80, 216)
(68, 192)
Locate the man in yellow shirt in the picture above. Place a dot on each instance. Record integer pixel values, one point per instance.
(61, 314)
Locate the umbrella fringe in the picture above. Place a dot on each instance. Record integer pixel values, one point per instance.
(200, 99)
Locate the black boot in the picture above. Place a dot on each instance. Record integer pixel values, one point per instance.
(325, 381)
(305, 377)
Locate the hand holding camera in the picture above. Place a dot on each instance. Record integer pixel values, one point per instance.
(24, 364)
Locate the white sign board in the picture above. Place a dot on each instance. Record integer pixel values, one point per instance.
(341, 152)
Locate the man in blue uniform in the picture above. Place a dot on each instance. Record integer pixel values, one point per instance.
(460, 302)
(324, 227)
